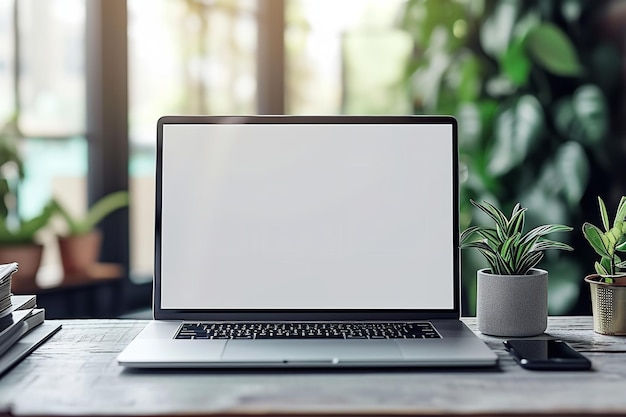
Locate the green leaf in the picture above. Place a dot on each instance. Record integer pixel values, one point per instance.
(491, 235)
(492, 211)
(620, 216)
(584, 117)
(471, 79)
(600, 270)
(572, 9)
(515, 64)
(491, 259)
(516, 223)
(505, 251)
(545, 244)
(26, 229)
(603, 214)
(102, 208)
(593, 235)
(553, 50)
(528, 262)
(607, 265)
(545, 230)
(572, 171)
(496, 30)
(467, 233)
(518, 130)
(502, 266)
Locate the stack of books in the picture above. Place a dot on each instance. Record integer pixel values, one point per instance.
(18, 313)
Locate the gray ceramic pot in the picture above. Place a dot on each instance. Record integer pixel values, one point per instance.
(512, 305)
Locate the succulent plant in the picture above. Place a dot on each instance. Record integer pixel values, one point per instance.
(608, 242)
(507, 249)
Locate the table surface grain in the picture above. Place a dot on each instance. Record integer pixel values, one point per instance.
(75, 373)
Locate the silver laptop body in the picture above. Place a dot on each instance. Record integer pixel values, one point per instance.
(306, 220)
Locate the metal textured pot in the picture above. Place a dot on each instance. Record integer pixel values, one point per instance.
(512, 305)
(608, 302)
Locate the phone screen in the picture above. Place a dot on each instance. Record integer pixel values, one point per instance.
(546, 354)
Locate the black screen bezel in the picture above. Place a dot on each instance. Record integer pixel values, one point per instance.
(289, 314)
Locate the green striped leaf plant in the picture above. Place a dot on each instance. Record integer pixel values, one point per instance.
(608, 241)
(505, 246)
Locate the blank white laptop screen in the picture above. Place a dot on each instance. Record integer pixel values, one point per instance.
(293, 216)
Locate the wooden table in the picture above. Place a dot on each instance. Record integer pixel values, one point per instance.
(75, 373)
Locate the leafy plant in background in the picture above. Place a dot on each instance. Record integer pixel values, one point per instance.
(23, 232)
(608, 243)
(507, 249)
(15, 230)
(96, 213)
(11, 168)
(530, 86)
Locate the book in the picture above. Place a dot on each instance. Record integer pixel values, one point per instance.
(6, 273)
(12, 327)
(17, 325)
(19, 302)
(18, 315)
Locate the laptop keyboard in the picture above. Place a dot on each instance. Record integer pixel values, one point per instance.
(306, 330)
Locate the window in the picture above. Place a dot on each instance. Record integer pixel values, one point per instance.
(185, 57)
(333, 51)
(47, 93)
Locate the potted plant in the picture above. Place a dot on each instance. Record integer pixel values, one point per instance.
(512, 295)
(18, 244)
(608, 284)
(17, 235)
(80, 246)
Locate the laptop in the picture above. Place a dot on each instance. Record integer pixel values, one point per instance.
(306, 241)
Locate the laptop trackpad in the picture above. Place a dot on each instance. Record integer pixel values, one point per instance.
(310, 350)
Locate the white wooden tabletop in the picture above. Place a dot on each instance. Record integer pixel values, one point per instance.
(75, 373)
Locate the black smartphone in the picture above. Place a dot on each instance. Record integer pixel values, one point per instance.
(546, 355)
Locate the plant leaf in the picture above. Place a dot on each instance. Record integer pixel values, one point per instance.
(584, 117)
(552, 49)
(491, 235)
(496, 215)
(505, 251)
(545, 244)
(607, 264)
(491, 259)
(467, 233)
(593, 235)
(102, 208)
(517, 131)
(529, 261)
(516, 223)
(603, 214)
(545, 230)
(495, 32)
(600, 269)
(572, 171)
(620, 216)
(515, 63)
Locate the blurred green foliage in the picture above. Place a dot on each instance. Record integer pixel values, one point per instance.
(530, 85)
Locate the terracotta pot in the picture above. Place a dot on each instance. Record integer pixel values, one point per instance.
(79, 252)
(28, 257)
(608, 303)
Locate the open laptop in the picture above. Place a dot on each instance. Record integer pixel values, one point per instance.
(306, 241)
